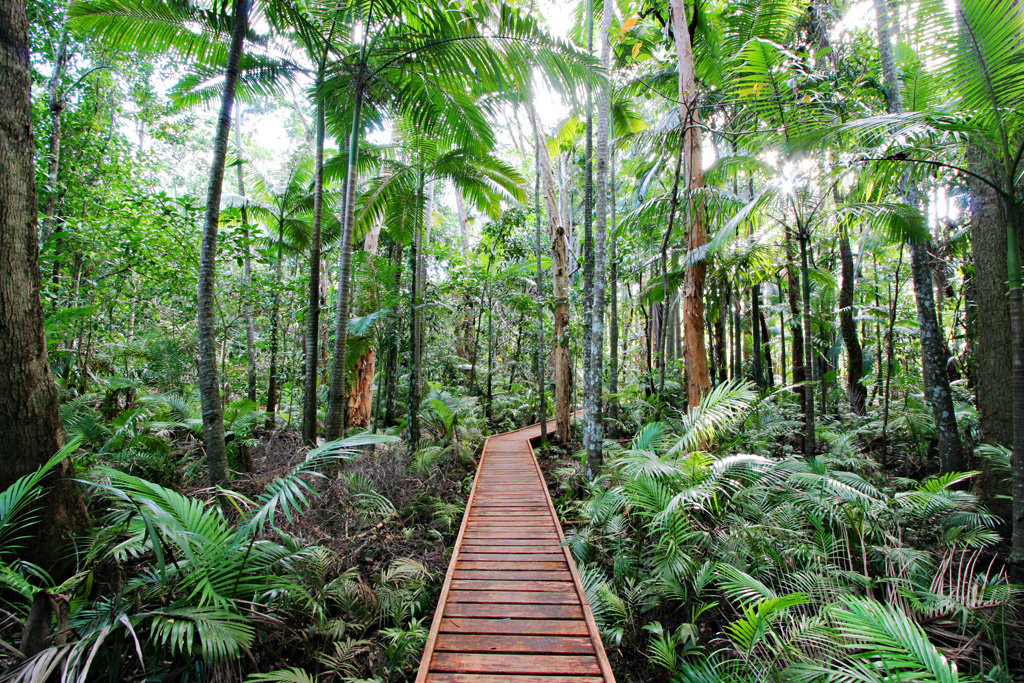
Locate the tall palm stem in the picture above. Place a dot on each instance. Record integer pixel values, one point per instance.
(209, 386)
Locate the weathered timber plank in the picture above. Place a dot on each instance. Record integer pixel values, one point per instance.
(539, 627)
(507, 644)
(463, 662)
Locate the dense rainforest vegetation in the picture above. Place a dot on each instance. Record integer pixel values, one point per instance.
(271, 271)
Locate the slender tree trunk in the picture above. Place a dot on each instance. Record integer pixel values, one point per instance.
(337, 400)
(809, 440)
(391, 366)
(209, 385)
(722, 360)
(856, 392)
(593, 424)
(660, 311)
(275, 314)
(613, 285)
(560, 276)
(590, 398)
(755, 331)
(250, 325)
(697, 234)
(29, 411)
(796, 328)
(309, 396)
(934, 359)
(414, 385)
(766, 347)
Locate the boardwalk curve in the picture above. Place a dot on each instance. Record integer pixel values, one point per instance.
(512, 609)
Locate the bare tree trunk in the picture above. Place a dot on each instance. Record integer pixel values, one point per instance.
(275, 314)
(593, 425)
(539, 355)
(697, 235)
(309, 395)
(560, 272)
(250, 325)
(209, 385)
(805, 279)
(613, 285)
(29, 412)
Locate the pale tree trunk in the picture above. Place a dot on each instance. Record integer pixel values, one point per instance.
(590, 400)
(793, 293)
(209, 386)
(933, 346)
(562, 362)
(592, 422)
(250, 325)
(360, 395)
(29, 412)
(309, 417)
(697, 235)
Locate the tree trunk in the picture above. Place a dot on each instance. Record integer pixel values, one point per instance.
(309, 396)
(994, 343)
(593, 426)
(209, 386)
(337, 400)
(29, 412)
(755, 331)
(613, 285)
(560, 276)
(796, 328)
(275, 314)
(856, 392)
(414, 385)
(697, 235)
(391, 366)
(250, 325)
(809, 440)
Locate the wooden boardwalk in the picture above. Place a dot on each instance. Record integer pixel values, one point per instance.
(512, 609)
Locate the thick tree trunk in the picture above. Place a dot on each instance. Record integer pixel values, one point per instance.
(250, 324)
(562, 361)
(856, 392)
(29, 413)
(994, 343)
(209, 385)
(593, 425)
(693, 284)
(309, 396)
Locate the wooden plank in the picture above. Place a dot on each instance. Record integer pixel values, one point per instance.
(513, 611)
(492, 678)
(464, 563)
(511, 557)
(512, 597)
(516, 575)
(539, 627)
(510, 585)
(464, 662)
(472, 642)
